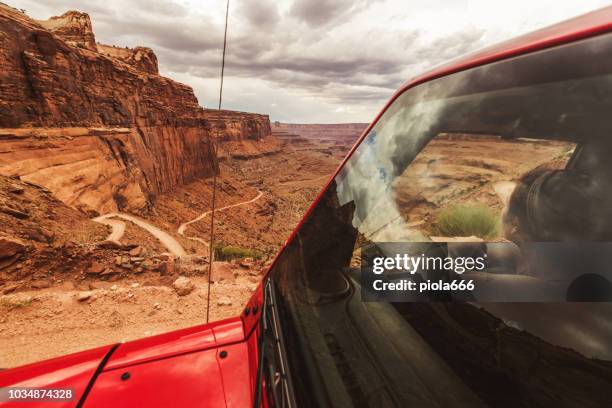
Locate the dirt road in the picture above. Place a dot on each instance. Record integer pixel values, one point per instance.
(181, 229)
(173, 246)
(118, 227)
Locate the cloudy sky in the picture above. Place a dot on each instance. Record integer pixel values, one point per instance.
(308, 61)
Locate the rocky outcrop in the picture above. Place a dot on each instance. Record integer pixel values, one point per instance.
(96, 124)
(10, 247)
(46, 82)
(236, 126)
(73, 27)
(142, 58)
(242, 135)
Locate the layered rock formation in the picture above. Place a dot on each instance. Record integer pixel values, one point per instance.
(96, 124)
(235, 126)
(242, 135)
(141, 57)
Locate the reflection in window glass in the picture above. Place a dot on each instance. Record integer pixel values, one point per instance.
(505, 155)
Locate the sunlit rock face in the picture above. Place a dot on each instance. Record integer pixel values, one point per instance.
(96, 124)
(74, 28)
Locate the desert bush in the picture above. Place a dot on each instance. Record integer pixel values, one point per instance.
(228, 252)
(464, 220)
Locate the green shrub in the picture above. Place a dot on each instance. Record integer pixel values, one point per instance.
(465, 220)
(228, 252)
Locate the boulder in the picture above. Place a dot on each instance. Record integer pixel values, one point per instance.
(40, 284)
(115, 319)
(9, 289)
(109, 245)
(95, 269)
(183, 286)
(137, 252)
(247, 263)
(10, 246)
(83, 296)
(166, 267)
(224, 301)
(221, 271)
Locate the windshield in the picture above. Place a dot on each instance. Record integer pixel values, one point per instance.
(513, 158)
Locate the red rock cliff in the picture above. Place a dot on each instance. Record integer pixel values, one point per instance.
(242, 135)
(98, 126)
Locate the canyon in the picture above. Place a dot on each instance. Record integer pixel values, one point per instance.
(106, 187)
(328, 138)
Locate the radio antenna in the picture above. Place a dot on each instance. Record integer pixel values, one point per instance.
(214, 192)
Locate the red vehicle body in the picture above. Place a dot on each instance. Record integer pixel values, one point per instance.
(215, 365)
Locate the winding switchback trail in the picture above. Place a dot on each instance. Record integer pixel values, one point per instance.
(173, 246)
(181, 229)
(118, 229)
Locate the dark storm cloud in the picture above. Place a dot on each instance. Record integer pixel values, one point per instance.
(57, 7)
(164, 33)
(295, 48)
(285, 64)
(260, 13)
(320, 12)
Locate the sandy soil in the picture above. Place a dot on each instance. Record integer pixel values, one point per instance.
(41, 324)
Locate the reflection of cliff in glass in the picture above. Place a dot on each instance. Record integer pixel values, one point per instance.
(514, 152)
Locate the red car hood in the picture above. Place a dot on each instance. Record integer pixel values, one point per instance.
(208, 366)
(73, 371)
